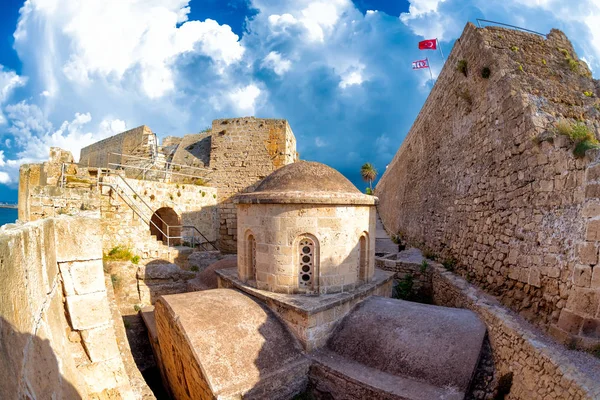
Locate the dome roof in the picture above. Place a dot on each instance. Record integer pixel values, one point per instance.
(306, 182)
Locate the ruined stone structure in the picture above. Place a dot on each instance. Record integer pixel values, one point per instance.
(234, 156)
(57, 334)
(488, 181)
(138, 142)
(306, 264)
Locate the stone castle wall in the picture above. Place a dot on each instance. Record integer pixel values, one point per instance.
(483, 180)
(194, 205)
(57, 338)
(243, 152)
(137, 142)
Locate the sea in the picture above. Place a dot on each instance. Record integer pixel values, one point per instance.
(8, 215)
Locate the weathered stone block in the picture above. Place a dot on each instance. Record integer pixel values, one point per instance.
(591, 328)
(583, 301)
(88, 311)
(104, 375)
(593, 230)
(588, 253)
(570, 322)
(82, 277)
(100, 343)
(595, 282)
(582, 275)
(78, 239)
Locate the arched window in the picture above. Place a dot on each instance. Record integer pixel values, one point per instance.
(363, 258)
(306, 249)
(251, 258)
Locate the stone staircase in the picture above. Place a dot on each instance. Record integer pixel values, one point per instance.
(150, 247)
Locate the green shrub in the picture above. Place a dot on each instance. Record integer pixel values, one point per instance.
(135, 196)
(214, 196)
(465, 95)
(369, 191)
(203, 193)
(520, 68)
(137, 307)
(588, 94)
(485, 72)
(178, 194)
(514, 48)
(404, 289)
(543, 61)
(461, 67)
(194, 268)
(429, 254)
(582, 138)
(449, 263)
(424, 266)
(119, 253)
(171, 197)
(135, 259)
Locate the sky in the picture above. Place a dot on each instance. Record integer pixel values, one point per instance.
(73, 72)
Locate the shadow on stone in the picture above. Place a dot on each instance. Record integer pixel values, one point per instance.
(29, 368)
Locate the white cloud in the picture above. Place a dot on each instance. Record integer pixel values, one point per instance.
(319, 142)
(34, 135)
(148, 40)
(4, 178)
(243, 99)
(316, 18)
(351, 78)
(277, 63)
(9, 81)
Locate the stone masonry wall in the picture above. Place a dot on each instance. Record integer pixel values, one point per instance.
(484, 179)
(195, 205)
(540, 369)
(137, 142)
(277, 229)
(57, 338)
(243, 152)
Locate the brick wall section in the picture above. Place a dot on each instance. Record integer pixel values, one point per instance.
(58, 338)
(541, 369)
(472, 182)
(244, 151)
(136, 142)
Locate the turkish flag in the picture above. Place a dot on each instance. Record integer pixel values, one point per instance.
(430, 44)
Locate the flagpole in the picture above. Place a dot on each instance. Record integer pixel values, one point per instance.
(440, 47)
(429, 66)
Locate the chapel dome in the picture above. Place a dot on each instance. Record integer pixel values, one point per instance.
(306, 182)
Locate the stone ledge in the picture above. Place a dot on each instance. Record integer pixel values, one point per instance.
(303, 303)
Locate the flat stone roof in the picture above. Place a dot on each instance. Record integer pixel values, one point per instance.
(304, 303)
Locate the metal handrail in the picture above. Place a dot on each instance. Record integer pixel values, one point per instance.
(134, 205)
(167, 162)
(165, 171)
(479, 20)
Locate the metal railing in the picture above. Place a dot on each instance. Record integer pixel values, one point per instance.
(131, 202)
(151, 167)
(142, 209)
(479, 21)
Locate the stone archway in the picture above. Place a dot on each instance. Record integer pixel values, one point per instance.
(165, 222)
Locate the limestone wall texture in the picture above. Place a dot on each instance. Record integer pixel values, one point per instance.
(57, 338)
(243, 152)
(138, 142)
(540, 369)
(278, 229)
(194, 205)
(484, 179)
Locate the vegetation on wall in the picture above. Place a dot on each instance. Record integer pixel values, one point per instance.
(461, 67)
(485, 72)
(579, 134)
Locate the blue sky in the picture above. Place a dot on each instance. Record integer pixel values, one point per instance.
(75, 71)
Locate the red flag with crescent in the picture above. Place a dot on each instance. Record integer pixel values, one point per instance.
(430, 44)
(419, 64)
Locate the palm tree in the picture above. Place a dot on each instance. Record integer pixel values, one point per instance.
(368, 173)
